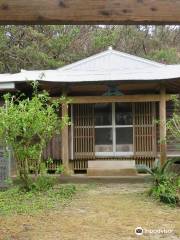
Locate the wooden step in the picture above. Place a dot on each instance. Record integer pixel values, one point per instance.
(111, 168)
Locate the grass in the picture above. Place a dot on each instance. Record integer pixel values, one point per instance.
(101, 211)
(13, 201)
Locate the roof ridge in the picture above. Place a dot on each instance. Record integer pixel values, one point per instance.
(110, 51)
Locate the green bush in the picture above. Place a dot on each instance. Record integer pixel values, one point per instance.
(27, 124)
(67, 191)
(166, 185)
(60, 169)
(166, 190)
(41, 183)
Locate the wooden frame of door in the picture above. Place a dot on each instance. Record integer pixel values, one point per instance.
(114, 126)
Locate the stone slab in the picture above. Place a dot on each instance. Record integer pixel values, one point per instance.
(111, 164)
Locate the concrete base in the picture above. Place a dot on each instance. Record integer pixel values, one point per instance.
(111, 168)
(111, 172)
(84, 179)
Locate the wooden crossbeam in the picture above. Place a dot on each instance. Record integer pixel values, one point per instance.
(89, 11)
(125, 98)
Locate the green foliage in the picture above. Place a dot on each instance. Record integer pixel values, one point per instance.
(9, 182)
(165, 184)
(14, 201)
(173, 123)
(27, 125)
(42, 183)
(43, 169)
(68, 191)
(168, 56)
(49, 160)
(159, 171)
(166, 190)
(103, 38)
(60, 169)
(34, 47)
(45, 47)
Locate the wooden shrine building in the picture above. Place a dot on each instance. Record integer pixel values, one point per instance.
(116, 100)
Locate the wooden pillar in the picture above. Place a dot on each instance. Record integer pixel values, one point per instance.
(162, 115)
(64, 141)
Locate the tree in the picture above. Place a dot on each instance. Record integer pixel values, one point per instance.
(26, 126)
(50, 47)
(173, 124)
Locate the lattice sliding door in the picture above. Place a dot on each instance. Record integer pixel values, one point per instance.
(83, 131)
(144, 129)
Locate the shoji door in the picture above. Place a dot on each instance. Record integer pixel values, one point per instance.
(144, 127)
(83, 131)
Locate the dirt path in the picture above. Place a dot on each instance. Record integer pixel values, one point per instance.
(107, 212)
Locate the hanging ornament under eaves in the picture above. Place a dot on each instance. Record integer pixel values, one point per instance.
(113, 91)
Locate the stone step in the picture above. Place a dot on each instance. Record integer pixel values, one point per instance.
(111, 168)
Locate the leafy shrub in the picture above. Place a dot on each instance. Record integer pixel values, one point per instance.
(169, 55)
(43, 169)
(166, 190)
(166, 185)
(60, 169)
(43, 183)
(67, 191)
(27, 124)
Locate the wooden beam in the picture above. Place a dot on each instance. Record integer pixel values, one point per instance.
(89, 11)
(162, 115)
(64, 139)
(125, 98)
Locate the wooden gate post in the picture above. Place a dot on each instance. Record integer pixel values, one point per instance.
(65, 142)
(162, 115)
